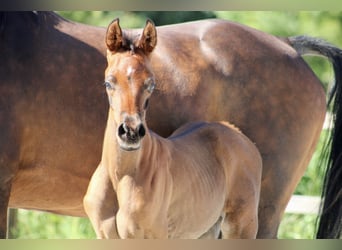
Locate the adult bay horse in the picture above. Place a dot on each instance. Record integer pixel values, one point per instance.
(52, 115)
(202, 179)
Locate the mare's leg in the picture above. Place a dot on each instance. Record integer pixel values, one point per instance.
(8, 167)
(5, 189)
(100, 204)
(276, 192)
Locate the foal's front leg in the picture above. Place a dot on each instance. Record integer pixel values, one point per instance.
(140, 215)
(128, 219)
(100, 204)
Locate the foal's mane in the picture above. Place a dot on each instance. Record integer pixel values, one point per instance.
(130, 38)
(129, 41)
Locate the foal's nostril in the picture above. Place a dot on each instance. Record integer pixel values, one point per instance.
(122, 129)
(130, 133)
(141, 131)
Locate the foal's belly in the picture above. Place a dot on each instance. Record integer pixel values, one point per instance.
(196, 207)
(192, 220)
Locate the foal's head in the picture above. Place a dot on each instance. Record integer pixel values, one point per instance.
(129, 81)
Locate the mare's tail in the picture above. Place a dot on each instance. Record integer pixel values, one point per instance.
(330, 221)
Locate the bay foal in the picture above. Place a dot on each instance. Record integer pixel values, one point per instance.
(202, 179)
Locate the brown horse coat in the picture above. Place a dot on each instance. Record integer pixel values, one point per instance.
(180, 187)
(52, 104)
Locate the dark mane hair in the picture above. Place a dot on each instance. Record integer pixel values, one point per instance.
(20, 30)
(14, 17)
(20, 20)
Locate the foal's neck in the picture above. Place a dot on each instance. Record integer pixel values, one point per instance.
(128, 162)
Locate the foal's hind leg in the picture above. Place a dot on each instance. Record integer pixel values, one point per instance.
(100, 204)
(241, 208)
(239, 226)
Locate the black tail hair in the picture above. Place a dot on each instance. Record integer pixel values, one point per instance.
(330, 217)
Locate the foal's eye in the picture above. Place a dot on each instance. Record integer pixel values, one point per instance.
(108, 85)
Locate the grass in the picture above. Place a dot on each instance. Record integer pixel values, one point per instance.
(297, 226)
(41, 225)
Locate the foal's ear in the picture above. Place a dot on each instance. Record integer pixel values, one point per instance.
(148, 38)
(114, 38)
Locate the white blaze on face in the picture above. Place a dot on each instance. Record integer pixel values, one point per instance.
(129, 72)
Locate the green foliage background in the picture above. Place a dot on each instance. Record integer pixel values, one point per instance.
(327, 25)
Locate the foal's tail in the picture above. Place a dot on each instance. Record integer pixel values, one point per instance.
(330, 222)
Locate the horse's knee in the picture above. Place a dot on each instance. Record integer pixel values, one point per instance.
(240, 226)
(103, 220)
(127, 227)
(88, 204)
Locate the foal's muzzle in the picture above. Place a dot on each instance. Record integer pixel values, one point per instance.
(130, 132)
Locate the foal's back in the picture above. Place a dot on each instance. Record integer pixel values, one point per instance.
(216, 164)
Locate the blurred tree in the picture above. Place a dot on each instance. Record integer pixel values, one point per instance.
(281, 23)
(135, 19)
(170, 17)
